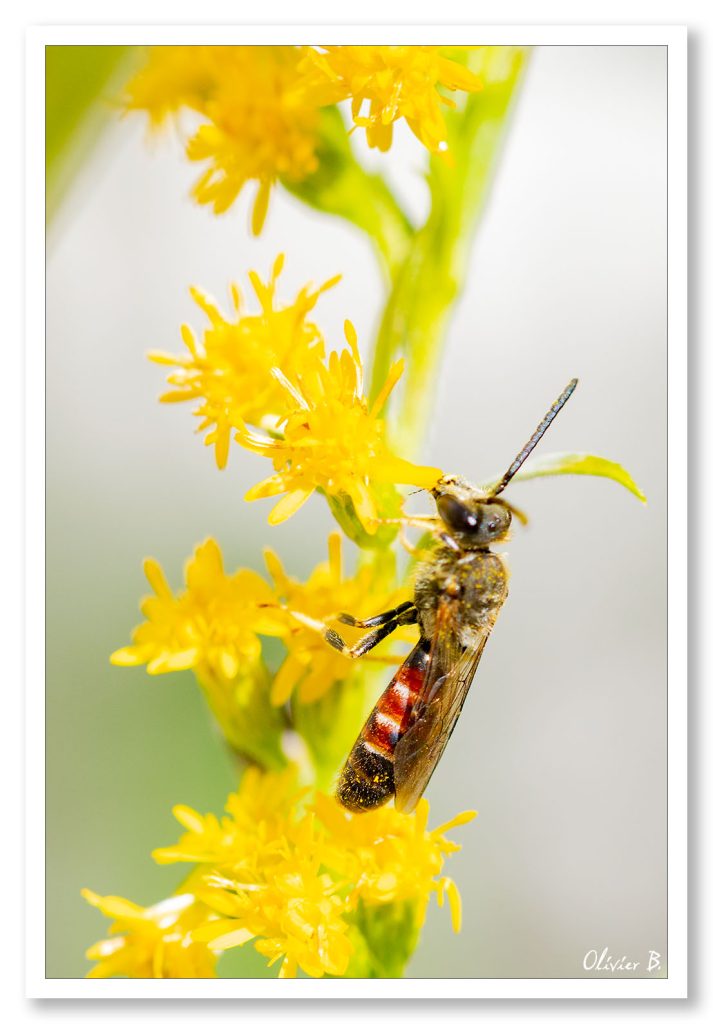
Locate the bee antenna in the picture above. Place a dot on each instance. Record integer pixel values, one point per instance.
(536, 437)
(417, 491)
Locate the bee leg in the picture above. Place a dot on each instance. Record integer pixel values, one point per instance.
(398, 612)
(403, 615)
(363, 646)
(406, 544)
(432, 523)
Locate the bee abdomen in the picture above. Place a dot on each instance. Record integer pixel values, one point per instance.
(367, 779)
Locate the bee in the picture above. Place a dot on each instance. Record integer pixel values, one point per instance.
(457, 597)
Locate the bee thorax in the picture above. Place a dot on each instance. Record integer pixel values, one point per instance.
(475, 584)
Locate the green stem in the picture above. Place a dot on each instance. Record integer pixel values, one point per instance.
(432, 274)
(329, 726)
(251, 726)
(342, 187)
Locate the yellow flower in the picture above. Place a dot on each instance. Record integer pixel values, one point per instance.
(311, 664)
(213, 624)
(391, 855)
(289, 904)
(258, 126)
(268, 883)
(151, 942)
(174, 77)
(229, 370)
(332, 440)
(291, 873)
(253, 824)
(395, 81)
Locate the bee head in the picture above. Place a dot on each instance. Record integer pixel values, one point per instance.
(474, 518)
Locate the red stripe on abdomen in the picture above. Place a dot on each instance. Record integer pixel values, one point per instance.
(388, 721)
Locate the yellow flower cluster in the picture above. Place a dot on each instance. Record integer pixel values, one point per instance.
(214, 626)
(260, 106)
(288, 871)
(312, 664)
(332, 441)
(229, 371)
(392, 856)
(174, 77)
(256, 127)
(394, 82)
(151, 942)
(269, 371)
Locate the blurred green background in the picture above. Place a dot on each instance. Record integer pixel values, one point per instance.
(562, 744)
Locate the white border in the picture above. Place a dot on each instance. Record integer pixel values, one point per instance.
(37, 986)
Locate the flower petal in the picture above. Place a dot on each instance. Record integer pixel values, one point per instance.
(288, 505)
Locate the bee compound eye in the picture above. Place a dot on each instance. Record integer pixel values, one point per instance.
(456, 515)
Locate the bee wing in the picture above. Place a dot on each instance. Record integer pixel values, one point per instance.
(444, 654)
(445, 688)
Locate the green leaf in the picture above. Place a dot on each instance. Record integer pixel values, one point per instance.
(80, 82)
(579, 463)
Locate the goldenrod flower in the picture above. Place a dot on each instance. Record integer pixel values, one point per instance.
(311, 664)
(395, 81)
(290, 874)
(174, 77)
(392, 856)
(254, 822)
(151, 942)
(214, 627)
(229, 369)
(290, 905)
(213, 624)
(267, 883)
(258, 126)
(332, 440)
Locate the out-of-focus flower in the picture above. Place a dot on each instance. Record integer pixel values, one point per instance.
(229, 370)
(215, 623)
(311, 664)
(151, 942)
(394, 81)
(259, 126)
(332, 440)
(174, 77)
(289, 873)
(260, 129)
